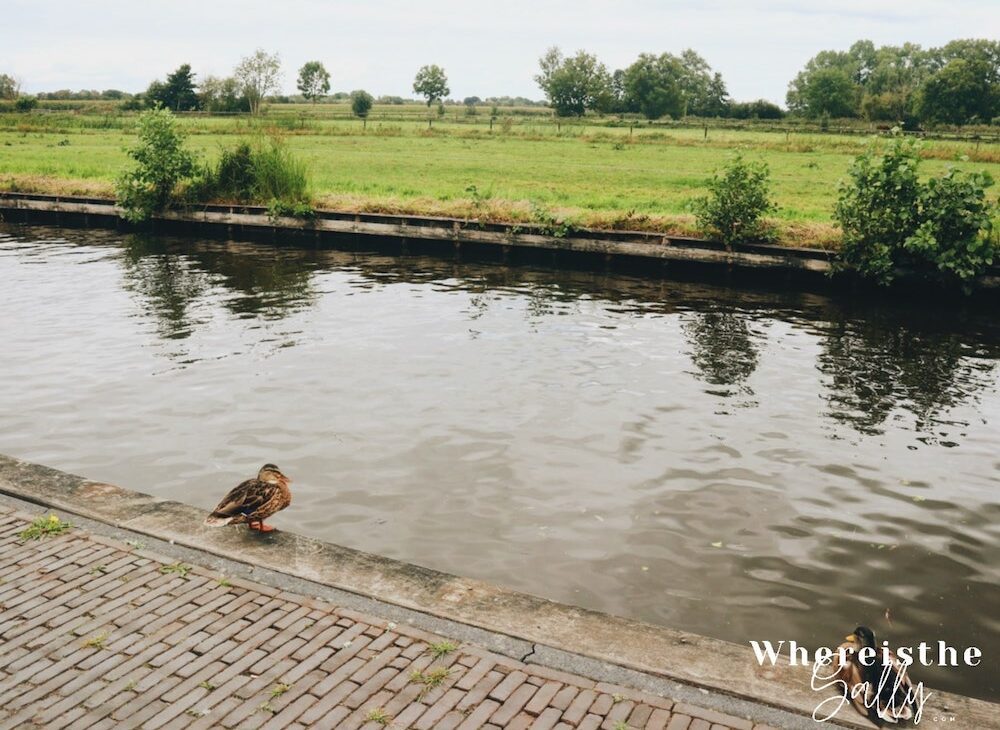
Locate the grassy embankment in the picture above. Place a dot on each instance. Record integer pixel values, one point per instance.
(590, 174)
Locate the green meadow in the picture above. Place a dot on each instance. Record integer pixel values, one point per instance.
(594, 174)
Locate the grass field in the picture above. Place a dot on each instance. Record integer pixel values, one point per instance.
(590, 174)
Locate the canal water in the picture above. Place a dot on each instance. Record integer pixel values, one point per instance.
(737, 463)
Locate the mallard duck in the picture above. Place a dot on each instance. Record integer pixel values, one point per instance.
(895, 701)
(253, 501)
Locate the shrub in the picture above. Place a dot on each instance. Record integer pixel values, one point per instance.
(162, 162)
(258, 171)
(25, 103)
(955, 228)
(878, 208)
(361, 103)
(891, 219)
(737, 201)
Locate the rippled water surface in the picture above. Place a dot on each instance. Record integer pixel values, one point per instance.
(735, 463)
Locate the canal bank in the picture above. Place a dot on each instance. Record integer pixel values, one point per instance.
(647, 253)
(547, 645)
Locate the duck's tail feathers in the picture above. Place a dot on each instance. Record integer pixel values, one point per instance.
(218, 520)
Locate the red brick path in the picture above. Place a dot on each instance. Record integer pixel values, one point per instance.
(95, 633)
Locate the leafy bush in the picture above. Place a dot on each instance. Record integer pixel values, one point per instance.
(891, 219)
(878, 208)
(361, 103)
(738, 199)
(162, 162)
(955, 229)
(25, 103)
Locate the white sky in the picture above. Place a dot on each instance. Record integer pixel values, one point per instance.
(488, 48)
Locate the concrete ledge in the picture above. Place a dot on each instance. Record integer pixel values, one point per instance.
(649, 251)
(720, 666)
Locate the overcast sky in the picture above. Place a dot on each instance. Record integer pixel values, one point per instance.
(488, 48)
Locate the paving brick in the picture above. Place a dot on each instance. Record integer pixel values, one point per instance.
(191, 653)
(737, 723)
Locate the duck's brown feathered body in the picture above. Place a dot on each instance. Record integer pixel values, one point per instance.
(253, 501)
(895, 702)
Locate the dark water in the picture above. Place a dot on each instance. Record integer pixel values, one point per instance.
(735, 463)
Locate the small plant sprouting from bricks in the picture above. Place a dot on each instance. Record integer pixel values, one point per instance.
(279, 689)
(178, 568)
(441, 648)
(207, 685)
(616, 698)
(130, 686)
(621, 725)
(135, 544)
(377, 714)
(223, 582)
(434, 678)
(195, 712)
(44, 527)
(99, 569)
(96, 642)
(265, 707)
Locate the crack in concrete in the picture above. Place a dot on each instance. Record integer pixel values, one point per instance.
(534, 648)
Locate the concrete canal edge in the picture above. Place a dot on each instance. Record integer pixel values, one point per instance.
(546, 627)
(635, 251)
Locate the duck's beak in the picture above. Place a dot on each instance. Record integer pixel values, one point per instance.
(849, 637)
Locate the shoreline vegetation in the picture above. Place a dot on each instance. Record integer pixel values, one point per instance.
(604, 174)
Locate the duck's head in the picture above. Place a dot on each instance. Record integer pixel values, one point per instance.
(863, 636)
(272, 475)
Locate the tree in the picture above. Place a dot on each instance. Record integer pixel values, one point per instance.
(9, 87)
(653, 85)
(222, 95)
(258, 75)
(314, 80)
(161, 162)
(431, 83)
(958, 93)
(829, 85)
(361, 103)
(574, 84)
(177, 93)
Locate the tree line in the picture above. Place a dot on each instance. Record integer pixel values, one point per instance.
(958, 83)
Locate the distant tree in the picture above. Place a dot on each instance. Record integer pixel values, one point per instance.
(431, 83)
(177, 93)
(113, 94)
(314, 80)
(574, 84)
(828, 85)
(829, 92)
(472, 100)
(222, 95)
(258, 75)
(25, 103)
(759, 109)
(181, 88)
(394, 100)
(9, 87)
(361, 103)
(653, 85)
(959, 93)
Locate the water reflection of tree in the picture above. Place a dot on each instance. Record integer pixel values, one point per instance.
(878, 364)
(168, 284)
(173, 278)
(722, 349)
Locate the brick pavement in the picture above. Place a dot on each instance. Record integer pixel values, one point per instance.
(97, 633)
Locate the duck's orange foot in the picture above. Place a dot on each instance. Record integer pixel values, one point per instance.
(261, 527)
